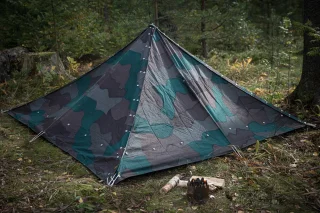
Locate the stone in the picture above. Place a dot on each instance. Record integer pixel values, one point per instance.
(11, 60)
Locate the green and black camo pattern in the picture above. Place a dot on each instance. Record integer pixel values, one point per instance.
(150, 107)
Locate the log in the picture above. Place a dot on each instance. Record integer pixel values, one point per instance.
(218, 182)
(171, 184)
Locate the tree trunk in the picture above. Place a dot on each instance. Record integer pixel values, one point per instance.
(156, 17)
(203, 28)
(308, 89)
(55, 28)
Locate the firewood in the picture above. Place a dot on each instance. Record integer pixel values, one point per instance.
(171, 184)
(218, 182)
(184, 183)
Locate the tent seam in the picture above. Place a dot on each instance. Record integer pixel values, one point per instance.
(168, 51)
(118, 170)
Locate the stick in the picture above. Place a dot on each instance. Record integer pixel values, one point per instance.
(171, 184)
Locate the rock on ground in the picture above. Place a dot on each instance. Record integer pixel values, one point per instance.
(11, 60)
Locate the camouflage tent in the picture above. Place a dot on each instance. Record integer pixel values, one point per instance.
(149, 107)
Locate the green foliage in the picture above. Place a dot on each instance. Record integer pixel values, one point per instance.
(83, 36)
(314, 33)
(73, 65)
(78, 28)
(68, 27)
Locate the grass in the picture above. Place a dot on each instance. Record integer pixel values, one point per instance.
(281, 174)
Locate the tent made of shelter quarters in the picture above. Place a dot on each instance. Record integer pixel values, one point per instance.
(150, 107)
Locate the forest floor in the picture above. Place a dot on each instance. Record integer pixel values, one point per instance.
(281, 174)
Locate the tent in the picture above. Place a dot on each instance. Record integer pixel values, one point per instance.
(150, 107)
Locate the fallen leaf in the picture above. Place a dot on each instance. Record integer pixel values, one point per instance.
(259, 91)
(115, 193)
(19, 159)
(315, 154)
(80, 200)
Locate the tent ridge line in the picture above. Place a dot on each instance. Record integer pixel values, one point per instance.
(117, 171)
(202, 104)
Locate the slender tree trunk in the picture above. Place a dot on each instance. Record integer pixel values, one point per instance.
(308, 89)
(55, 27)
(268, 17)
(203, 28)
(107, 11)
(156, 17)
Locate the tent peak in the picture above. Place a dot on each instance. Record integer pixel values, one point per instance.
(153, 25)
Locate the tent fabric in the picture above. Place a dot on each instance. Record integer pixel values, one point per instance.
(150, 107)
